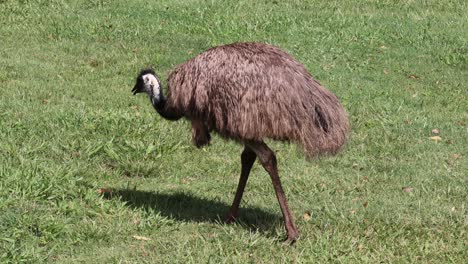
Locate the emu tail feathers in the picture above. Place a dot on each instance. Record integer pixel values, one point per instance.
(327, 131)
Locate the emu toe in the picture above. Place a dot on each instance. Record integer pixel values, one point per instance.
(230, 218)
(291, 239)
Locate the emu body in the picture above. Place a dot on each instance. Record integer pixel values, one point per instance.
(249, 92)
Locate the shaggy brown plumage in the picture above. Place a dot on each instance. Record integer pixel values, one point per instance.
(249, 92)
(253, 91)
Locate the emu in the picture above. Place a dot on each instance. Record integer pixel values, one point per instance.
(249, 92)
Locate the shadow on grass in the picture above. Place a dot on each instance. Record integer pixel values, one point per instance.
(187, 207)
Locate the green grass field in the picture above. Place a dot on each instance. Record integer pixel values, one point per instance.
(70, 126)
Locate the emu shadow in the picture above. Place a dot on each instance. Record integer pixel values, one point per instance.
(189, 208)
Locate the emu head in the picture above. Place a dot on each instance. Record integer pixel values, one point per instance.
(148, 82)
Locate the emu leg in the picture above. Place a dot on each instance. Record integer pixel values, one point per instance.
(268, 159)
(247, 160)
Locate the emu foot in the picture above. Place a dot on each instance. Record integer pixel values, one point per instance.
(291, 239)
(230, 218)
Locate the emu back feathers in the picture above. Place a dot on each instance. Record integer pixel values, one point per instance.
(252, 91)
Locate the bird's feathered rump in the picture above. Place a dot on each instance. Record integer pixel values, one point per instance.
(253, 91)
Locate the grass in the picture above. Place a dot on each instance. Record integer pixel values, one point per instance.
(69, 126)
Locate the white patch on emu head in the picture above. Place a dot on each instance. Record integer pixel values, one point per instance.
(152, 83)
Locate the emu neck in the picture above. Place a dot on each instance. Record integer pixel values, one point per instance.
(160, 104)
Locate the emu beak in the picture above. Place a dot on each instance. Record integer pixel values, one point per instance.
(135, 90)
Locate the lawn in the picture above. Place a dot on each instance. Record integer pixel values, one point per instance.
(91, 174)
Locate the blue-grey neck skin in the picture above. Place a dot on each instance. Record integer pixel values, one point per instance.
(159, 103)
